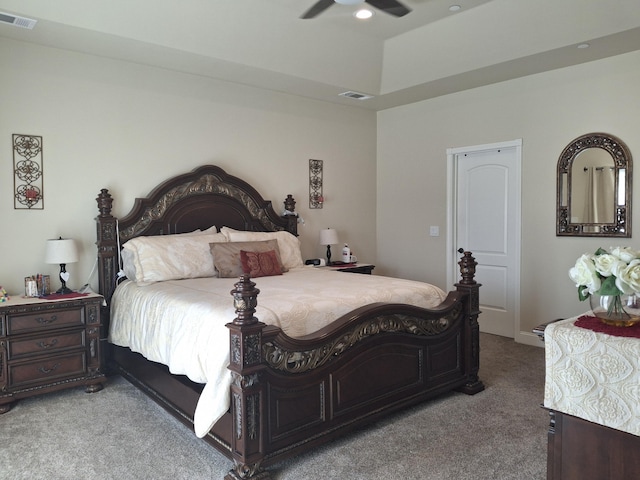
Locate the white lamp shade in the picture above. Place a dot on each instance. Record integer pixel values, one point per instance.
(61, 250)
(328, 236)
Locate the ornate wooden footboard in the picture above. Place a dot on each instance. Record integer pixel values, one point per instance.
(291, 394)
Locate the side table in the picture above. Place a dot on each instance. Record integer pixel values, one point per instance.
(364, 268)
(48, 345)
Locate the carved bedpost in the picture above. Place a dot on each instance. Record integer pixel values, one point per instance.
(468, 285)
(107, 260)
(107, 245)
(290, 215)
(247, 391)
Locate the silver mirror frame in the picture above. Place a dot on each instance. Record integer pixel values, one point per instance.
(621, 226)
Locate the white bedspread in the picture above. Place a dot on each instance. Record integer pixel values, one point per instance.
(593, 375)
(181, 323)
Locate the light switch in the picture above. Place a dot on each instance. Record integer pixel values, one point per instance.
(434, 231)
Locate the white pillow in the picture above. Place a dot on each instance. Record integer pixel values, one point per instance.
(169, 257)
(288, 244)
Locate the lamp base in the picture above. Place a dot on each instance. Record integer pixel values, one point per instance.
(64, 276)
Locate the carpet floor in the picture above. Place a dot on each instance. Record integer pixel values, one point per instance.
(119, 433)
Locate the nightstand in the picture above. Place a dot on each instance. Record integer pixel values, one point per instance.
(48, 345)
(365, 268)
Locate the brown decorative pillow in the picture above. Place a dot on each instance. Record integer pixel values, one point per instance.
(260, 264)
(226, 256)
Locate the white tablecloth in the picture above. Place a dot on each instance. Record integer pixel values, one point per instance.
(593, 375)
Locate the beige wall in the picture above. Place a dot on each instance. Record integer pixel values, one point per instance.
(126, 127)
(546, 111)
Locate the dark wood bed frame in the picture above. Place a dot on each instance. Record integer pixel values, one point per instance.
(291, 394)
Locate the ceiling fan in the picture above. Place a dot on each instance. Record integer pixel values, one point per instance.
(392, 7)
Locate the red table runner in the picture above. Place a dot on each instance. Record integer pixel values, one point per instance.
(594, 323)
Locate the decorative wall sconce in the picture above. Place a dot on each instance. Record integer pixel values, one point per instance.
(27, 169)
(316, 199)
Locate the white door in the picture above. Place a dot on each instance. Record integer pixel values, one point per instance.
(485, 220)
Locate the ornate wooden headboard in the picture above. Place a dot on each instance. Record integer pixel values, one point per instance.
(199, 199)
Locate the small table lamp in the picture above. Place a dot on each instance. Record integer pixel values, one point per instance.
(328, 237)
(61, 251)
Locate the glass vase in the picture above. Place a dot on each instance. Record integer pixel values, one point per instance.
(616, 310)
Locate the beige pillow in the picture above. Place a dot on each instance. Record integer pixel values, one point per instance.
(169, 257)
(226, 256)
(288, 244)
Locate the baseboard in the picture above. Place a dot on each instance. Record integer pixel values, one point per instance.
(529, 338)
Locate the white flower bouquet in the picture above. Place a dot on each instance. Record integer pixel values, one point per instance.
(608, 273)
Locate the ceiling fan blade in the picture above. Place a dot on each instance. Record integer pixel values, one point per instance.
(392, 7)
(319, 7)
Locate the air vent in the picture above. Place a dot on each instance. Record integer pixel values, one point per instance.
(356, 95)
(22, 22)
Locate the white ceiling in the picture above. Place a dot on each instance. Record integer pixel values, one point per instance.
(264, 43)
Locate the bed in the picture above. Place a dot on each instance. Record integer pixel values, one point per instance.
(591, 391)
(286, 393)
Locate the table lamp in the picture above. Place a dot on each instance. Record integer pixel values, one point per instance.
(61, 251)
(328, 237)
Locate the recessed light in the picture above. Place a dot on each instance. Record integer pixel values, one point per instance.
(363, 14)
(584, 45)
(454, 8)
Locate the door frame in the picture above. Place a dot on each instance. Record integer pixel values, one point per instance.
(452, 196)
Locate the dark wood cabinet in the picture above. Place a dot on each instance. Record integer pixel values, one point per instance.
(579, 450)
(49, 345)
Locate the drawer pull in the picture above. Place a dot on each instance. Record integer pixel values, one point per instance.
(48, 370)
(47, 345)
(46, 321)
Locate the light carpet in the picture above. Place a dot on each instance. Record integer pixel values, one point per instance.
(119, 433)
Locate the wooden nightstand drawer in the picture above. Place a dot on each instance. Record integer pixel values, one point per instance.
(44, 319)
(51, 344)
(48, 369)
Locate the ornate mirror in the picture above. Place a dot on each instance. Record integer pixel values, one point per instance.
(594, 188)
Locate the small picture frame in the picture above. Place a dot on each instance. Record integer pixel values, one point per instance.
(37, 285)
(44, 285)
(31, 287)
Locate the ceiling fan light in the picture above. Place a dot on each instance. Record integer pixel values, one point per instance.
(363, 14)
(348, 2)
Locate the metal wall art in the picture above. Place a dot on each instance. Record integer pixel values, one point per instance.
(27, 170)
(316, 199)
